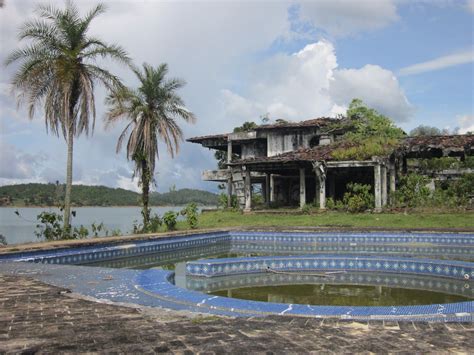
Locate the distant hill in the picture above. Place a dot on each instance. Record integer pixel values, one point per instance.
(82, 195)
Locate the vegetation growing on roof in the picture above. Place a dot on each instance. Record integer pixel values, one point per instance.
(372, 133)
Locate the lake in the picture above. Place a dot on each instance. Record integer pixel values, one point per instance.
(20, 229)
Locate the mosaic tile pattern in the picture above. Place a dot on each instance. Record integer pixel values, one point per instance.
(233, 266)
(445, 244)
(464, 239)
(87, 255)
(441, 251)
(151, 282)
(435, 284)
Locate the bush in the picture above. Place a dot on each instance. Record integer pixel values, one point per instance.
(358, 198)
(153, 225)
(306, 209)
(412, 191)
(51, 228)
(223, 201)
(170, 219)
(191, 214)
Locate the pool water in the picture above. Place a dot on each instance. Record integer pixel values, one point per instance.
(340, 295)
(343, 289)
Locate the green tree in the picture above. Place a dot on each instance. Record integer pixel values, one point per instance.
(423, 130)
(58, 71)
(152, 110)
(369, 132)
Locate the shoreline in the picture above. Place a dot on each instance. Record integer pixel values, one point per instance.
(120, 206)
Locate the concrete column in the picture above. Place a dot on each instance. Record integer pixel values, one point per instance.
(392, 177)
(248, 191)
(267, 189)
(272, 188)
(302, 188)
(229, 179)
(384, 185)
(316, 191)
(378, 187)
(322, 193)
(320, 184)
(229, 151)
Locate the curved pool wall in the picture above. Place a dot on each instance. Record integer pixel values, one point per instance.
(454, 245)
(154, 286)
(306, 263)
(407, 281)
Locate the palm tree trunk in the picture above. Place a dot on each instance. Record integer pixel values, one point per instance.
(145, 193)
(67, 197)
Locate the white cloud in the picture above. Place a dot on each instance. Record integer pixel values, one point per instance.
(439, 63)
(466, 123)
(308, 84)
(377, 87)
(16, 164)
(470, 6)
(342, 18)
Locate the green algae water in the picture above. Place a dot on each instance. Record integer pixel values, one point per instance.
(363, 289)
(340, 295)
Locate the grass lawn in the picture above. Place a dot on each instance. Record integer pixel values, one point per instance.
(220, 219)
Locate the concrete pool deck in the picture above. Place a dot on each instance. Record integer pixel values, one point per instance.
(36, 317)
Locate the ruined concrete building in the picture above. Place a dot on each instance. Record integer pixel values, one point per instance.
(293, 163)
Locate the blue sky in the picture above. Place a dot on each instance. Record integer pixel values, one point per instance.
(411, 60)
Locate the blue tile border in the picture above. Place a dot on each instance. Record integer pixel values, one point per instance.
(438, 244)
(156, 283)
(306, 263)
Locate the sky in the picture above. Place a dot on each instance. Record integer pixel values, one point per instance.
(411, 60)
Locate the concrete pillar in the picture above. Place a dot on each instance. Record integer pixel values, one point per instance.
(320, 171)
(316, 191)
(248, 191)
(302, 188)
(267, 189)
(229, 179)
(272, 188)
(378, 187)
(322, 193)
(392, 177)
(384, 185)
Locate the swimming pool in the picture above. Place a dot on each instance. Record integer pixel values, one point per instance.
(207, 272)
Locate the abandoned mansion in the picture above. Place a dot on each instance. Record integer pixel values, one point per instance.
(298, 163)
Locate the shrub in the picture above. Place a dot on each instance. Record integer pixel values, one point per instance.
(330, 204)
(412, 191)
(170, 219)
(306, 209)
(51, 228)
(222, 202)
(358, 198)
(154, 224)
(191, 214)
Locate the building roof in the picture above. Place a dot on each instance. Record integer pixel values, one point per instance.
(324, 153)
(319, 153)
(200, 139)
(316, 122)
(441, 142)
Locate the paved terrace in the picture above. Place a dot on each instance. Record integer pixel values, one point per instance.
(35, 317)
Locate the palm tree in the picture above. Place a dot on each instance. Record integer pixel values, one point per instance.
(152, 109)
(58, 71)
